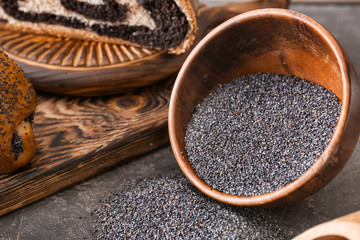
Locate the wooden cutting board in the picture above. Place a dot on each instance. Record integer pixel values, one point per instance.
(78, 138)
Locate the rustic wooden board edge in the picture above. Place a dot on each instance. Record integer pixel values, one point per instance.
(63, 160)
(109, 157)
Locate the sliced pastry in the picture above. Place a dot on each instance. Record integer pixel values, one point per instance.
(160, 24)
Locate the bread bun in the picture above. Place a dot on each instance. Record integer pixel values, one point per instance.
(17, 102)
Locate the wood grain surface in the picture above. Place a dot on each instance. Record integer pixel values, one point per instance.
(80, 137)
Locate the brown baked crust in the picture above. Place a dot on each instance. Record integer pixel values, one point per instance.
(189, 8)
(17, 102)
(186, 6)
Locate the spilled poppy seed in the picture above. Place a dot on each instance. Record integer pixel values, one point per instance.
(169, 207)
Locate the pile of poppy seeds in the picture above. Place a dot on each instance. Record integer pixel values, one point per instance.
(169, 207)
(260, 132)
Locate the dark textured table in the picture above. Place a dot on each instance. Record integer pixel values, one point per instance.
(67, 214)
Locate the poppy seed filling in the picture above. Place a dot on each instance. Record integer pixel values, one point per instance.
(16, 145)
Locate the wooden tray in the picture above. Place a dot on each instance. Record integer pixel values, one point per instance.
(78, 138)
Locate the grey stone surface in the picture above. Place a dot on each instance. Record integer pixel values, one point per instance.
(67, 214)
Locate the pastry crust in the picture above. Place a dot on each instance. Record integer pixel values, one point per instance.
(185, 6)
(188, 7)
(18, 100)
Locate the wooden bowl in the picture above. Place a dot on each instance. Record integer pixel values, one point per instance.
(343, 228)
(278, 41)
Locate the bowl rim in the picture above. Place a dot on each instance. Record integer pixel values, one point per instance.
(320, 163)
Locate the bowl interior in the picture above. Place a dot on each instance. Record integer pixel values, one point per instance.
(276, 41)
